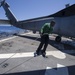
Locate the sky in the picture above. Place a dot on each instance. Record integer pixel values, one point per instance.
(28, 9)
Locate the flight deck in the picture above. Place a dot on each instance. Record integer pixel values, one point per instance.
(17, 56)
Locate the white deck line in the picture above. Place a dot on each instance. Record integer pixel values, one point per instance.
(57, 54)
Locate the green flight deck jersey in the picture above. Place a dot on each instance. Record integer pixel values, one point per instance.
(46, 29)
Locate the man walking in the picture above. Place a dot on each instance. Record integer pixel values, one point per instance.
(45, 31)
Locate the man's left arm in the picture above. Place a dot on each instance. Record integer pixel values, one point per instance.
(51, 29)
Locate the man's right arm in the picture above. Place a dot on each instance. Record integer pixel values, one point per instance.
(42, 30)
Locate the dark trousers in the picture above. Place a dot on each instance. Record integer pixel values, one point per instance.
(44, 42)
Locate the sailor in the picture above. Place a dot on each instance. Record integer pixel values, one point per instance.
(45, 31)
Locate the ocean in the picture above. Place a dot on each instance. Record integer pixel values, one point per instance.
(10, 29)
